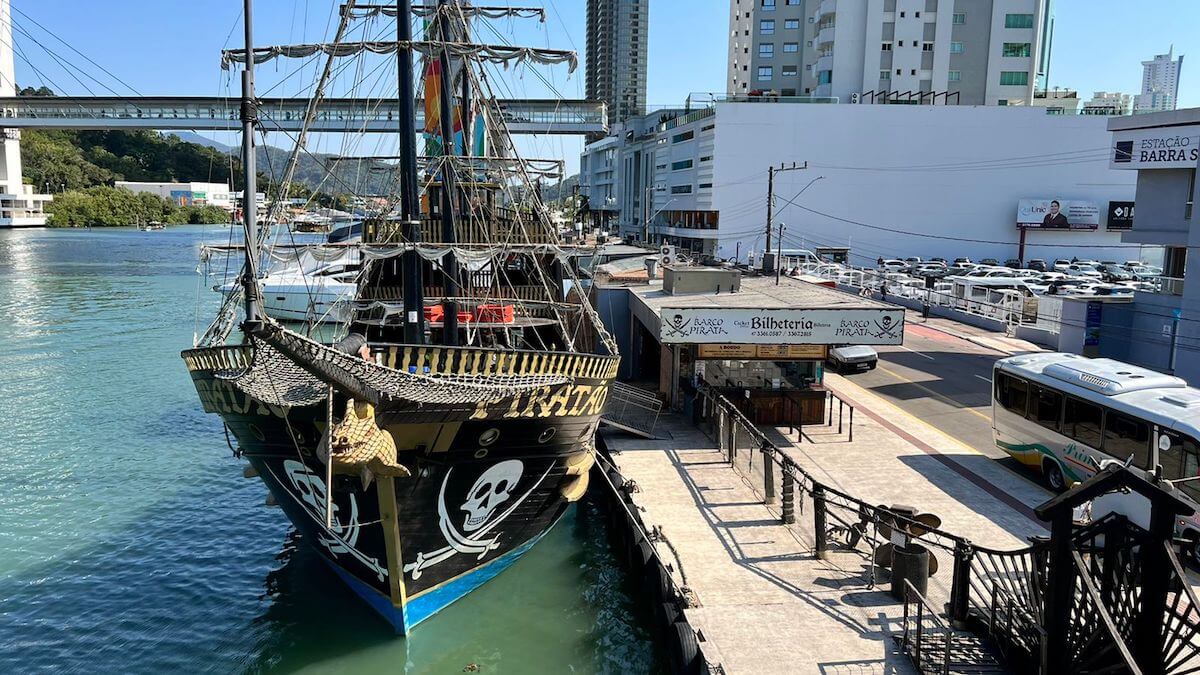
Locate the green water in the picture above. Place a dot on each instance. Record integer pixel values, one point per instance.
(129, 542)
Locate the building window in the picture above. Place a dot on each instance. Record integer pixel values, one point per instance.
(824, 77)
(900, 43)
(899, 72)
(791, 47)
(1019, 78)
(768, 5)
(681, 165)
(705, 186)
(1016, 49)
(792, 2)
(708, 127)
(901, 15)
(791, 24)
(926, 46)
(706, 158)
(960, 18)
(1018, 21)
(956, 48)
(766, 50)
(765, 73)
(885, 74)
(954, 76)
(766, 26)
(887, 46)
(681, 189)
(809, 43)
(790, 71)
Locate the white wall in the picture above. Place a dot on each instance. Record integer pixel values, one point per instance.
(949, 171)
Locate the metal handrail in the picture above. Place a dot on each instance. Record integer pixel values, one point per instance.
(923, 606)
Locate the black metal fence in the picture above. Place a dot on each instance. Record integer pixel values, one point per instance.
(995, 592)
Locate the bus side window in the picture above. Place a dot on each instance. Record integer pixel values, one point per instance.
(1012, 393)
(1046, 408)
(1125, 436)
(1082, 421)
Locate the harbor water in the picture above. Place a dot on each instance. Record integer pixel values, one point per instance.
(129, 541)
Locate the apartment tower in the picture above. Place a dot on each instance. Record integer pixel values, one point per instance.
(1160, 83)
(616, 56)
(970, 52)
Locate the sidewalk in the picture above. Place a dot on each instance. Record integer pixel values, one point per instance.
(766, 602)
(984, 338)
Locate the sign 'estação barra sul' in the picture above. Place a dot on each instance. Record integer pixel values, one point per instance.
(695, 325)
(1165, 148)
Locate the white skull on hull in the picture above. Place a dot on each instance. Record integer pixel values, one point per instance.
(490, 491)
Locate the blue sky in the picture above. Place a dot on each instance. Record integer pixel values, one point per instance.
(173, 46)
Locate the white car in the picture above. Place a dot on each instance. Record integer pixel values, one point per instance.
(852, 358)
(1084, 270)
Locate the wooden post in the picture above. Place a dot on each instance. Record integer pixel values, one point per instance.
(768, 474)
(1060, 594)
(819, 519)
(788, 507)
(960, 583)
(1149, 637)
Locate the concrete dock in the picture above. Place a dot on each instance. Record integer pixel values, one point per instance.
(764, 601)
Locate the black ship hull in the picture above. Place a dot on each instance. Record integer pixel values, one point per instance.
(484, 487)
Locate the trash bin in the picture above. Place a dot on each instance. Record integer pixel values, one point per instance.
(910, 562)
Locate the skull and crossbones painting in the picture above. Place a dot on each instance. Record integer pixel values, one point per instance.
(480, 512)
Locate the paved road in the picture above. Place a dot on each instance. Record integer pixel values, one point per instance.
(945, 381)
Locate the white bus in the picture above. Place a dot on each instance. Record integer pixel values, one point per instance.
(1064, 414)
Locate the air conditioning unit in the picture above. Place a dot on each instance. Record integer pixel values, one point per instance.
(854, 98)
(666, 255)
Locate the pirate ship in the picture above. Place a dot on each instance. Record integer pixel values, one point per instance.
(425, 452)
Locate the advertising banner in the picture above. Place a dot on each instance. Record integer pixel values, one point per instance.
(728, 325)
(1120, 216)
(1165, 148)
(1057, 214)
(769, 352)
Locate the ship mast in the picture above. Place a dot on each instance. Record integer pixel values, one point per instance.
(250, 185)
(414, 301)
(449, 260)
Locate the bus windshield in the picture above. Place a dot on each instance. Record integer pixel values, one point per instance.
(1182, 460)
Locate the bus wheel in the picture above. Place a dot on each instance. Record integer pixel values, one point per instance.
(1054, 476)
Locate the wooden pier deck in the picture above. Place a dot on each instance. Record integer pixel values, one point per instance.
(765, 602)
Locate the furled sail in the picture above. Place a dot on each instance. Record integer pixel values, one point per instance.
(501, 54)
(468, 11)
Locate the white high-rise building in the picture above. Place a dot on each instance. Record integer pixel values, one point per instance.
(1108, 103)
(1160, 83)
(20, 205)
(970, 52)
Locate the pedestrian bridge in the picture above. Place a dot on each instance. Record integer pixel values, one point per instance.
(335, 115)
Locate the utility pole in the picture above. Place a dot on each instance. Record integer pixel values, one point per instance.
(646, 211)
(771, 171)
(779, 255)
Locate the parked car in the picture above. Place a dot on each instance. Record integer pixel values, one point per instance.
(1114, 272)
(893, 266)
(1013, 263)
(1037, 264)
(852, 358)
(962, 261)
(1084, 270)
(990, 261)
(939, 260)
(1061, 264)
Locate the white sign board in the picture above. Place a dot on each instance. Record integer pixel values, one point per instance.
(1058, 214)
(693, 325)
(1164, 148)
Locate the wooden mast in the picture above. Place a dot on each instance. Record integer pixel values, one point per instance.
(249, 117)
(413, 282)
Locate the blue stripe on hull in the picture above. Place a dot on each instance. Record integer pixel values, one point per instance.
(433, 601)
